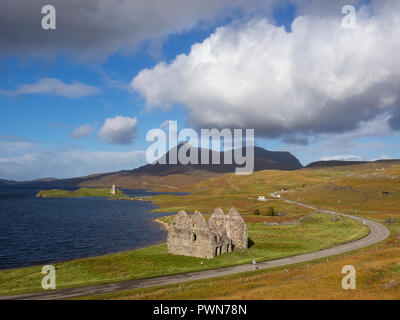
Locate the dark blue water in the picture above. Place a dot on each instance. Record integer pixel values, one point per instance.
(41, 230)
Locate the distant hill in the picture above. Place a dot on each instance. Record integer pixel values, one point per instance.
(282, 157)
(263, 160)
(338, 163)
(44, 179)
(173, 176)
(333, 163)
(3, 182)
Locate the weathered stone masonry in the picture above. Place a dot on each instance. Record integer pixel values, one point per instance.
(193, 236)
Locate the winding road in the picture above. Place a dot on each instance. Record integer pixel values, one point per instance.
(378, 232)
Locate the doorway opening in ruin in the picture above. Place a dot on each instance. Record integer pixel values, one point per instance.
(194, 237)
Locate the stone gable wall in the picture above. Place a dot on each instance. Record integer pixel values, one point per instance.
(193, 236)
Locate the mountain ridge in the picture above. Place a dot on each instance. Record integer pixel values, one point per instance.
(175, 175)
(263, 160)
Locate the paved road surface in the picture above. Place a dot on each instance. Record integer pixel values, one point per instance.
(378, 232)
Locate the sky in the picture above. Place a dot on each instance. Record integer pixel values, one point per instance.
(79, 99)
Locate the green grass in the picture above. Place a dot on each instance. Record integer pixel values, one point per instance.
(80, 193)
(377, 266)
(320, 187)
(316, 233)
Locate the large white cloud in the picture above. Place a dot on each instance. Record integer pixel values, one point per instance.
(119, 130)
(315, 78)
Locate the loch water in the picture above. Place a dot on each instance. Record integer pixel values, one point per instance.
(43, 230)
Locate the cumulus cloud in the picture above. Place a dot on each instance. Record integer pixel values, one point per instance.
(82, 131)
(98, 28)
(27, 160)
(56, 87)
(316, 78)
(119, 130)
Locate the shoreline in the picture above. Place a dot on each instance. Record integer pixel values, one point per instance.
(374, 236)
(63, 259)
(111, 260)
(162, 223)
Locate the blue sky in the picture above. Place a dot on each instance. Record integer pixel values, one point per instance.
(38, 119)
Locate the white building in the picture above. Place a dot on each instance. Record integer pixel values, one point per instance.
(261, 198)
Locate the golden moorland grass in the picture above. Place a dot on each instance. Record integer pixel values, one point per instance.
(371, 190)
(316, 233)
(377, 277)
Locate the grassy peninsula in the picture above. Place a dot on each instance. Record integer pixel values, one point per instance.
(80, 193)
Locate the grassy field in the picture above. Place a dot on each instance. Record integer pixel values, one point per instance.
(80, 193)
(371, 190)
(377, 277)
(270, 242)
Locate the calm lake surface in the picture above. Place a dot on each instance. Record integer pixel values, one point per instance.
(41, 230)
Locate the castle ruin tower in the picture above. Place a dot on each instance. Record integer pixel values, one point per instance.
(113, 190)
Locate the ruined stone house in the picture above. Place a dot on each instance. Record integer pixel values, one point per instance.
(194, 236)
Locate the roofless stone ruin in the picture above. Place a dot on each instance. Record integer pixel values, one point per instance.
(194, 236)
